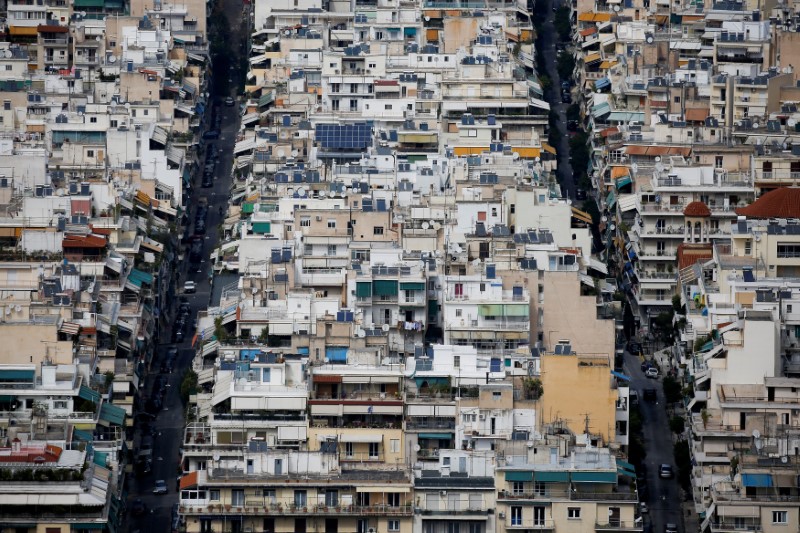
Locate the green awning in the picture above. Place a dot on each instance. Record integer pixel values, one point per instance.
(101, 459)
(265, 100)
(409, 32)
(623, 181)
(490, 310)
(551, 477)
(363, 289)
(138, 277)
(515, 309)
(611, 199)
(17, 375)
(384, 287)
(113, 4)
(112, 414)
(519, 476)
(622, 472)
(88, 3)
(262, 227)
(248, 208)
(625, 465)
(415, 158)
(88, 525)
(88, 394)
(436, 436)
(80, 434)
(594, 477)
(6, 398)
(409, 286)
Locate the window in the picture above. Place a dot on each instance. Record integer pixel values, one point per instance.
(332, 250)
(89, 153)
(518, 487)
(472, 133)
(237, 497)
(213, 495)
(300, 498)
(8, 67)
(305, 222)
(497, 395)
(718, 161)
(394, 445)
(512, 209)
(516, 515)
(456, 361)
(269, 495)
(677, 99)
(332, 223)
(377, 230)
(445, 461)
(374, 452)
(348, 449)
(574, 513)
(458, 312)
(265, 375)
(748, 247)
(393, 499)
(483, 287)
(59, 404)
(360, 255)
(387, 107)
(393, 525)
(780, 517)
(93, 120)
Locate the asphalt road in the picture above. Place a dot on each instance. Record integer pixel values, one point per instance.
(664, 496)
(169, 423)
(553, 96)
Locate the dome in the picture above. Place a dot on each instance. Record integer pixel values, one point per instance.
(697, 209)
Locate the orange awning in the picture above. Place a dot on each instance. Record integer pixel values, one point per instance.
(469, 150)
(594, 17)
(591, 58)
(547, 148)
(23, 31)
(189, 480)
(697, 115)
(607, 64)
(527, 152)
(588, 31)
(618, 172)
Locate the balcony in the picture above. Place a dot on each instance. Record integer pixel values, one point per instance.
(539, 525)
(277, 509)
(734, 527)
(496, 325)
(322, 276)
(618, 525)
(414, 424)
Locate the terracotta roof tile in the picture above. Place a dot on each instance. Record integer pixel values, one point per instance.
(780, 203)
(697, 209)
(689, 254)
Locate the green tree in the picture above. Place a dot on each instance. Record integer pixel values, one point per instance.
(672, 389)
(565, 65)
(677, 424)
(188, 385)
(562, 23)
(683, 460)
(574, 112)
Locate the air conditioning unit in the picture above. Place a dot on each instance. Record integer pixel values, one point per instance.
(501, 515)
(319, 218)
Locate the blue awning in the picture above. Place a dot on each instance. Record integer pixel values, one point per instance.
(611, 199)
(80, 434)
(409, 32)
(757, 480)
(137, 277)
(336, 354)
(101, 459)
(632, 254)
(602, 83)
(620, 376)
(707, 346)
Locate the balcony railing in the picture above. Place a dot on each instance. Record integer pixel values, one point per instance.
(519, 523)
(272, 509)
(618, 525)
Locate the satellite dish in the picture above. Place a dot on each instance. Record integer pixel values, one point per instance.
(784, 459)
(281, 153)
(294, 153)
(649, 39)
(425, 225)
(437, 227)
(515, 156)
(756, 434)
(616, 9)
(8, 310)
(657, 158)
(287, 33)
(322, 194)
(755, 124)
(112, 59)
(17, 308)
(216, 456)
(385, 328)
(427, 18)
(634, 167)
(417, 448)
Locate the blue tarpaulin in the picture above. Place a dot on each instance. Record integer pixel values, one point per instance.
(137, 277)
(757, 480)
(336, 354)
(620, 376)
(602, 83)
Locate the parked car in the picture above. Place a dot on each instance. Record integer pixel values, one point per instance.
(580, 194)
(229, 101)
(646, 365)
(643, 508)
(189, 287)
(665, 471)
(160, 487)
(651, 373)
(211, 134)
(671, 528)
(138, 507)
(649, 395)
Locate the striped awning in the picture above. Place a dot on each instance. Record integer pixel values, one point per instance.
(70, 328)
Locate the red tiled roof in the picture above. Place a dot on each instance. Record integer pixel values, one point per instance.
(689, 254)
(79, 241)
(780, 203)
(697, 209)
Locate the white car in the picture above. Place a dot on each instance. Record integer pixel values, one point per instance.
(651, 373)
(161, 487)
(189, 287)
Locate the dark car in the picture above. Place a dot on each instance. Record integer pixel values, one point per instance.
(566, 98)
(580, 194)
(572, 125)
(207, 182)
(211, 134)
(649, 395)
(196, 250)
(200, 228)
(138, 507)
(634, 348)
(646, 365)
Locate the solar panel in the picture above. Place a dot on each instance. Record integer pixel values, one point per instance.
(741, 226)
(747, 274)
(348, 136)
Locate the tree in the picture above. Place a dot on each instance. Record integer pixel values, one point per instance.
(533, 388)
(565, 64)
(672, 389)
(562, 23)
(188, 385)
(683, 460)
(677, 424)
(574, 112)
(545, 82)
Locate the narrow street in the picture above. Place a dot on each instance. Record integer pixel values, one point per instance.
(169, 423)
(549, 41)
(664, 496)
